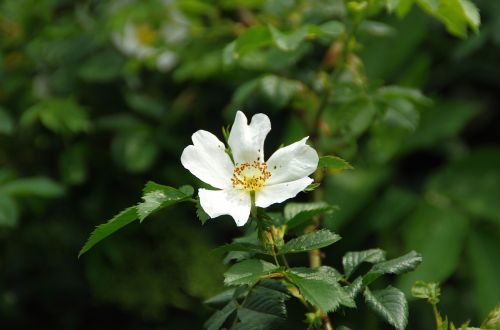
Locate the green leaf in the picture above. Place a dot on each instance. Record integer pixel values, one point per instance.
(438, 234)
(200, 213)
(390, 304)
(279, 90)
(9, 212)
(334, 164)
(62, 116)
(252, 39)
(248, 272)
(400, 265)
(457, 15)
(424, 290)
(135, 150)
(220, 299)
(241, 246)
(492, 321)
(355, 287)
(104, 230)
(161, 197)
(216, 321)
(6, 122)
(311, 187)
(298, 213)
(288, 41)
(386, 93)
(264, 307)
(34, 186)
(332, 28)
(352, 260)
(319, 286)
(314, 240)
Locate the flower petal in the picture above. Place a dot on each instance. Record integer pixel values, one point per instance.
(207, 159)
(280, 192)
(247, 141)
(236, 203)
(292, 162)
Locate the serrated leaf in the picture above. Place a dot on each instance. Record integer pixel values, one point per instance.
(200, 213)
(220, 299)
(157, 197)
(396, 266)
(334, 164)
(102, 231)
(315, 240)
(311, 187)
(264, 307)
(34, 186)
(355, 287)
(352, 260)
(492, 320)
(248, 272)
(390, 303)
(217, 319)
(429, 291)
(298, 213)
(319, 286)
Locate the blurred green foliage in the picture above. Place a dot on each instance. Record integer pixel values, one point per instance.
(97, 98)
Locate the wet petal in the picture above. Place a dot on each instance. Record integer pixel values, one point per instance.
(298, 160)
(235, 203)
(207, 160)
(280, 192)
(247, 141)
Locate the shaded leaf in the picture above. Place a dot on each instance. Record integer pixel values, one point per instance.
(298, 213)
(248, 272)
(438, 234)
(34, 186)
(319, 286)
(390, 304)
(217, 319)
(334, 164)
(396, 266)
(9, 212)
(352, 260)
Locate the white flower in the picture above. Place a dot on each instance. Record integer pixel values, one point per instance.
(281, 177)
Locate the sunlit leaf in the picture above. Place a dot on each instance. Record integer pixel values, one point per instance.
(314, 240)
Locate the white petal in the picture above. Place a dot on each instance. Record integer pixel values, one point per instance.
(207, 159)
(292, 162)
(247, 141)
(280, 192)
(236, 203)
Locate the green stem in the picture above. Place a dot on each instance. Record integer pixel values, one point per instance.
(437, 316)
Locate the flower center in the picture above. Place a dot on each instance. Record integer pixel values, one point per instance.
(250, 176)
(146, 34)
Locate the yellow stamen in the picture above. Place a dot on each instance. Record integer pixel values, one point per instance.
(250, 176)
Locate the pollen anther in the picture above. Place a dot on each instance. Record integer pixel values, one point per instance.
(250, 176)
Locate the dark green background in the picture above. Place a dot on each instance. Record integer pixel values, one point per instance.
(92, 125)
